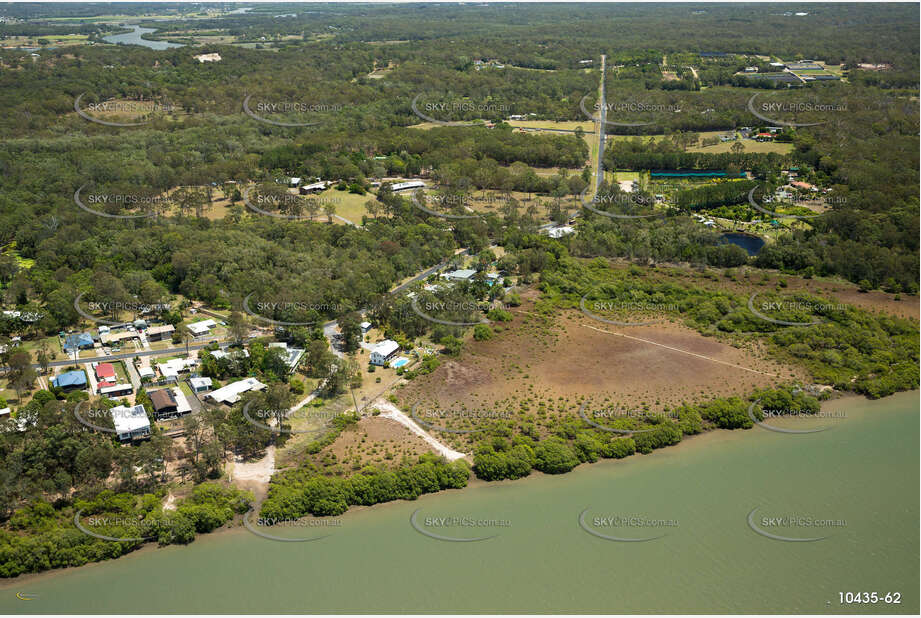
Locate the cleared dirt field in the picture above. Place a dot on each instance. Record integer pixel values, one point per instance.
(552, 363)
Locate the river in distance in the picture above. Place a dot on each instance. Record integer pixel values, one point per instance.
(134, 38)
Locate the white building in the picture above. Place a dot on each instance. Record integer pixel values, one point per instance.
(559, 232)
(464, 274)
(130, 423)
(200, 384)
(201, 328)
(230, 394)
(292, 355)
(411, 184)
(202, 58)
(219, 354)
(21, 424)
(384, 351)
(173, 367)
(116, 390)
(365, 327)
(315, 187)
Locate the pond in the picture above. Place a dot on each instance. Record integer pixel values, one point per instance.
(752, 244)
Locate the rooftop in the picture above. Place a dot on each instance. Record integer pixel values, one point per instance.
(127, 420)
(230, 394)
(71, 378)
(163, 398)
(385, 348)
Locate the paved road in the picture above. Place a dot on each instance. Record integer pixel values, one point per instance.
(129, 355)
(602, 115)
(330, 328)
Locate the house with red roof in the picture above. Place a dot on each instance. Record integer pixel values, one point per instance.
(105, 372)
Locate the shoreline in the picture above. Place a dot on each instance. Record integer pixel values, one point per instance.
(703, 439)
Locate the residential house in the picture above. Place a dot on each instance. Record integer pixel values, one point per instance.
(116, 390)
(158, 333)
(464, 274)
(173, 367)
(71, 380)
(78, 341)
(164, 403)
(559, 232)
(384, 351)
(111, 338)
(105, 372)
(230, 394)
(21, 424)
(130, 423)
(202, 327)
(234, 353)
(408, 185)
(804, 186)
(292, 355)
(314, 187)
(199, 384)
(202, 58)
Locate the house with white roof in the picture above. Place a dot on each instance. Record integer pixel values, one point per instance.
(116, 390)
(384, 351)
(559, 232)
(230, 394)
(200, 385)
(202, 58)
(463, 274)
(315, 187)
(130, 423)
(292, 355)
(404, 186)
(173, 367)
(202, 327)
(219, 354)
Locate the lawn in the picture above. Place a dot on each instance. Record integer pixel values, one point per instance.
(121, 374)
(750, 146)
(349, 206)
(568, 125)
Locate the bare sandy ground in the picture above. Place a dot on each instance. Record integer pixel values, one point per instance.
(660, 365)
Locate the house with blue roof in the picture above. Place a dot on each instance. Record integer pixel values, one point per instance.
(70, 380)
(78, 341)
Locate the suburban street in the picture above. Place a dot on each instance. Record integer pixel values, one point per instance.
(129, 355)
(330, 328)
(602, 117)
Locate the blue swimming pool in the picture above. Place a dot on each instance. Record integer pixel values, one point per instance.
(399, 362)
